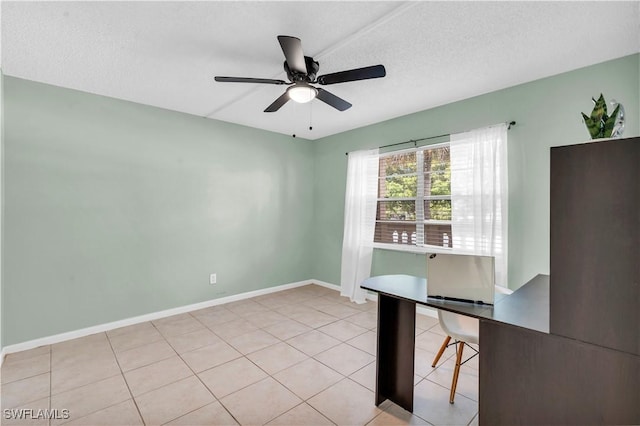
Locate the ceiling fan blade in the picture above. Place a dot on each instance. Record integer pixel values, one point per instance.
(292, 49)
(283, 99)
(248, 80)
(332, 100)
(375, 71)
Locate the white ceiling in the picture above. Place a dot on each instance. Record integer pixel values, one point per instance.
(165, 54)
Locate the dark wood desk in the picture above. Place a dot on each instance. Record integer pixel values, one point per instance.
(527, 307)
(528, 376)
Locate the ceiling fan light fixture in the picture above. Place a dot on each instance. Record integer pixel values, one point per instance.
(302, 93)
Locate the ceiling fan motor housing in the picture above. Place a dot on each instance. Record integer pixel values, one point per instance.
(310, 76)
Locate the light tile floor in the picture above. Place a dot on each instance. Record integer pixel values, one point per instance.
(304, 356)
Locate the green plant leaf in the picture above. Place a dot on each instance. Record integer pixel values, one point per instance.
(593, 126)
(599, 109)
(610, 122)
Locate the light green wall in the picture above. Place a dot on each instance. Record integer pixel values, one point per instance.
(547, 112)
(115, 209)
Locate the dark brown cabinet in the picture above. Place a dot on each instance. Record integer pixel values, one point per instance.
(595, 243)
(586, 370)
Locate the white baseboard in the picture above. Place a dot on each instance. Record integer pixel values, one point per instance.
(57, 338)
(326, 284)
(62, 337)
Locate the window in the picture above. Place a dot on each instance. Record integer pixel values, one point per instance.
(451, 195)
(414, 197)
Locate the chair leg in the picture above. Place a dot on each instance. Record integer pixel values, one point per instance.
(441, 351)
(456, 372)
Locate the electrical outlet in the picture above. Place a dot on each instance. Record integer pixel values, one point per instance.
(213, 278)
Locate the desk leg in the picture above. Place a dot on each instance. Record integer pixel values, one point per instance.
(396, 351)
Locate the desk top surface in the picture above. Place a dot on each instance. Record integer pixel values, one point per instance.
(527, 307)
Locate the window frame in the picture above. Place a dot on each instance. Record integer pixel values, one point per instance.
(419, 201)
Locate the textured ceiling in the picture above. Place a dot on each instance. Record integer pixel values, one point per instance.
(165, 54)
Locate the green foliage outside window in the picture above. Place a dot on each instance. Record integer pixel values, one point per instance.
(440, 185)
(401, 182)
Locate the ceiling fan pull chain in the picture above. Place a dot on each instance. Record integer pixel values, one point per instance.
(310, 116)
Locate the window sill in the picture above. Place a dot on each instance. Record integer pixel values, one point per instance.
(409, 248)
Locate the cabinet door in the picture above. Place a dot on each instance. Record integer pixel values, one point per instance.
(595, 228)
(532, 378)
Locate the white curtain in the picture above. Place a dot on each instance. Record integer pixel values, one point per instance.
(359, 222)
(479, 195)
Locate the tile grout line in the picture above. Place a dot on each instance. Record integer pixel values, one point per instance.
(216, 399)
(310, 309)
(50, 380)
(309, 405)
(317, 393)
(245, 356)
(473, 418)
(135, 403)
(29, 377)
(176, 381)
(89, 384)
(303, 401)
(155, 362)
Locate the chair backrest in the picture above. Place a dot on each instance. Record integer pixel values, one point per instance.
(459, 327)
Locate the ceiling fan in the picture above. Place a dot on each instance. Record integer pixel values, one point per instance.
(301, 71)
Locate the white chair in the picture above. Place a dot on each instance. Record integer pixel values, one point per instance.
(463, 330)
